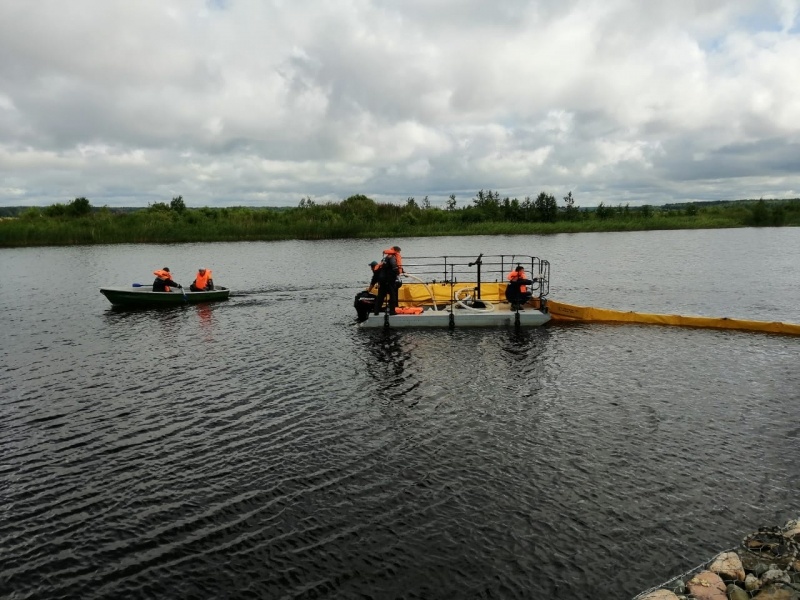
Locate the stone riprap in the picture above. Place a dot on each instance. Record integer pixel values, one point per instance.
(765, 566)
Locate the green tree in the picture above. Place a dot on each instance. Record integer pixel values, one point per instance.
(759, 214)
(451, 202)
(79, 207)
(778, 216)
(570, 210)
(55, 210)
(359, 207)
(177, 204)
(487, 204)
(546, 207)
(604, 212)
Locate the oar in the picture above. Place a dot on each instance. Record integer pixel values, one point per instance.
(185, 299)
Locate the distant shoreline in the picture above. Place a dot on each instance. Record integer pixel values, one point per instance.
(358, 217)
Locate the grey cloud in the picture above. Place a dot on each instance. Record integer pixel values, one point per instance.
(229, 102)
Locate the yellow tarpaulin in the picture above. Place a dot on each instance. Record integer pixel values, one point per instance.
(419, 293)
(560, 311)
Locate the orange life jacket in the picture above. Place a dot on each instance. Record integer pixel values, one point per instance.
(514, 275)
(408, 310)
(162, 274)
(201, 281)
(397, 257)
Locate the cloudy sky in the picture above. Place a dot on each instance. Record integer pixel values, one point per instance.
(266, 102)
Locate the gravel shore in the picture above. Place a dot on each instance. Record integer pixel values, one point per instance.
(765, 566)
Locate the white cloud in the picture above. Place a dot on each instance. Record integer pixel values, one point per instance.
(245, 102)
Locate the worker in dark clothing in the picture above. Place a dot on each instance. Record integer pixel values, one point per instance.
(163, 281)
(517, 292)
(365, 299)
(375, 266)
(387, 276)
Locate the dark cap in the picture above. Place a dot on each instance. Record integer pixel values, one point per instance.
(373, 263)
(165, 269)
(396, 248)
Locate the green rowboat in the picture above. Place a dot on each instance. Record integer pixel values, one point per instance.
(145, 296)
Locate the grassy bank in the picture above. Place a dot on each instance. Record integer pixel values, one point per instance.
(360, 217)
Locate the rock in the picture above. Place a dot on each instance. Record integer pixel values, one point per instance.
(776, 592)
(660, 595)
(751, 582)
(728, 565)
(707, 586)
(791, 530)
(736, 593)
(775, 576)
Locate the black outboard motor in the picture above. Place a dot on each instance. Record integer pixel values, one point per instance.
(364, 303)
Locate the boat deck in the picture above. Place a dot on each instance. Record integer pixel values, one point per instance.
(463, 291)
(497, 315)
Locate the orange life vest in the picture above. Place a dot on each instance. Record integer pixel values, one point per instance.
(201, 281)
(514, 275)
(408, 310)
(162, 274)
(397, 257)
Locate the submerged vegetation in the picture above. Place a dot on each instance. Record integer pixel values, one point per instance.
(78, 222)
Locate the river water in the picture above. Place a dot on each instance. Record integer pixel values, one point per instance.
(264, 447)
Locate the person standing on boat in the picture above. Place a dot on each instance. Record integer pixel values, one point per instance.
(517, 292)
(395, 251)
(203, 281)
(163, 281)
(387, 275)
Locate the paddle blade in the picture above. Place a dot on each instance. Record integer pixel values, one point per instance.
(137, 285)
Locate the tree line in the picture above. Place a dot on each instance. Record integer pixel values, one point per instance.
(78, 222)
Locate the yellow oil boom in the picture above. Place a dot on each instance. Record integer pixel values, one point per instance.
(443, 281)
(560, 311)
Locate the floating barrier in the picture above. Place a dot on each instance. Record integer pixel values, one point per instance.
(560, 311)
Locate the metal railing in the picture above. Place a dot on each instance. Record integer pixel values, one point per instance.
(481, 269)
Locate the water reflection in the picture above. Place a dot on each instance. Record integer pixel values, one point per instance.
(389, 357)
(204, 312)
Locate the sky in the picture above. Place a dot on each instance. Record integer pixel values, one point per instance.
(267, 102)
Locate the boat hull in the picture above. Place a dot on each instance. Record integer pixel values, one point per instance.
(500, 316)
(145, 296)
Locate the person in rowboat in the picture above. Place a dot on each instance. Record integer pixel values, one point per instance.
(203, 281)
(163, 281)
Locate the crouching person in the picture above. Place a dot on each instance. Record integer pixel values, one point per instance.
(518, 292)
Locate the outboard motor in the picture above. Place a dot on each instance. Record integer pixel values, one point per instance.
(364, 304)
